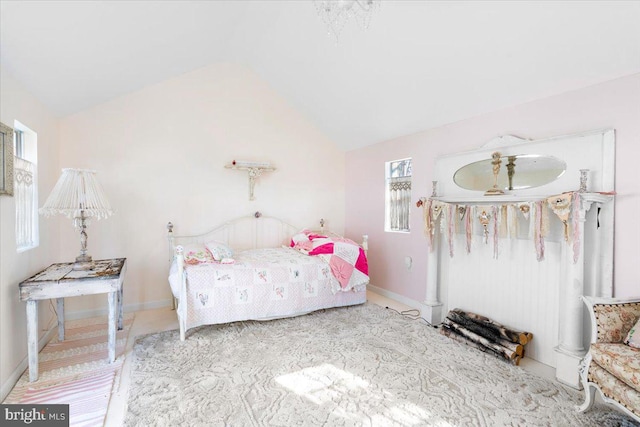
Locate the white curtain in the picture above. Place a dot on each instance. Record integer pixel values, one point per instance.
(399, 203)
(24, 193)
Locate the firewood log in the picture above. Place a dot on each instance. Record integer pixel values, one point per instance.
(517, 348)
(488, 328)
(453, 334)
(471, 336)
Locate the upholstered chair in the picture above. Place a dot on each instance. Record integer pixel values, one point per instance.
(612, 366)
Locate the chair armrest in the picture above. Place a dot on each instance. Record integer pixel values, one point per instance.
(611, 319)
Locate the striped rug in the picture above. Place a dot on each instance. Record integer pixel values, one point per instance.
(76, 372)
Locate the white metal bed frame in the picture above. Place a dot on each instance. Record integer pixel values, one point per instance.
(261, 232)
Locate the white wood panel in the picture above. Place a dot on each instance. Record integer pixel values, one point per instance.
(514, 289)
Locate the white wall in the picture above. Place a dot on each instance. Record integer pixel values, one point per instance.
(160, 155)
(17, 104)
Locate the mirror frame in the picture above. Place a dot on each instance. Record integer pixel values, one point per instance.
(505, 173)
(6, 160)
(593, 150)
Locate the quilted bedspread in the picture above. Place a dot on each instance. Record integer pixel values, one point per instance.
(346, 258)
(260, 284)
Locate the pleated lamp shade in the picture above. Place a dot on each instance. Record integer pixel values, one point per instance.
(77, 190)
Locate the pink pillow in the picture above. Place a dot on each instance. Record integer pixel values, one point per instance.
(633, 337)
(313, 236)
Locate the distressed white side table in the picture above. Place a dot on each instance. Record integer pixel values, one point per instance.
(60, 281)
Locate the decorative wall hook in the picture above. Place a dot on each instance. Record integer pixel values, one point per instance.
(255, 170)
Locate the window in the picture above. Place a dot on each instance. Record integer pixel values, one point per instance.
(18, 137)
(26, 187)
(398, 195)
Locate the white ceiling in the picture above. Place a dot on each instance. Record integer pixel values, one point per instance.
(421, 64)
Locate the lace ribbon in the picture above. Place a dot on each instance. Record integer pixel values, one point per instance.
(576, 226)
(451, 217)
(538, 238)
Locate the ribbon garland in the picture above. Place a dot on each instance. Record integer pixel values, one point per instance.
(451, 209)
(501, 220)
(485, 218)
(428, 224)
(538, 238)
(468, 227)
(561, 206)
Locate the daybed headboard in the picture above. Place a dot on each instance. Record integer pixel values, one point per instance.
(248, 232)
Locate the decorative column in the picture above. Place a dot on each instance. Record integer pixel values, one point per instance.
(433, 308)
(570, 349)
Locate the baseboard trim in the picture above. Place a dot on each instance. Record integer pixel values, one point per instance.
(17, 373)
(84, 314)
(397, 297)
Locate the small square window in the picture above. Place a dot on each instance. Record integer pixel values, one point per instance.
(25, 190)
(398, 195)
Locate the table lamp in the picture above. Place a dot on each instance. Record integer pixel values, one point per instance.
(78, 195)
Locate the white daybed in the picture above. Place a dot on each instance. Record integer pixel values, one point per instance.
(268, 279)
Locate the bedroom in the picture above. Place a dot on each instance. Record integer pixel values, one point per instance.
(160, 106)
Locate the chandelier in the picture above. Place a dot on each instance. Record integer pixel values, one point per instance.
(336, 13)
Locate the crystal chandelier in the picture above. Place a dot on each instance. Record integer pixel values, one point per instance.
(336, 13)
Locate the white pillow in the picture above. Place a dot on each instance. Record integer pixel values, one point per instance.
(299, 238)
(219, 250)
(196, 254)
(633, 337)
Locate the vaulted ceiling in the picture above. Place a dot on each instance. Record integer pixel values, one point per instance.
(421, 64)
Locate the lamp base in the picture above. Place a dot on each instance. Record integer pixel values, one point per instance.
(83, 262)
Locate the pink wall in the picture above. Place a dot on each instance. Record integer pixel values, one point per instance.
(614, 104)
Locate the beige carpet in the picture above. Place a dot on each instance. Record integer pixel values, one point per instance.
(358, 366)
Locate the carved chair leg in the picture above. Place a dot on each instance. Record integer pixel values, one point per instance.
(589, 397)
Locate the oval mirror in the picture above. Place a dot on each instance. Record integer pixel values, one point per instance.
(528, 171)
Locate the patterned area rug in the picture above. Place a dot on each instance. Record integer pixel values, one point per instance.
(354, 366)
(76, 371)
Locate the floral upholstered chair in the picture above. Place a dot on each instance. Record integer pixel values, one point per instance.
(612, 365)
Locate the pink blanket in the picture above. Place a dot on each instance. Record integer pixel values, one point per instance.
(347, 259)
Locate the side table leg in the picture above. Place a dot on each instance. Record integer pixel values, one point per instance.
(32, 339)
(60, 319)
(113, 296)
(120, 308)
